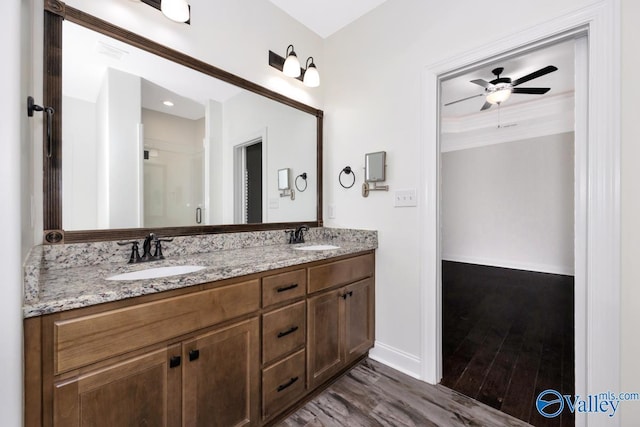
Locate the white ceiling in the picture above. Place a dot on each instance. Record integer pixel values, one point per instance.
(328, 16)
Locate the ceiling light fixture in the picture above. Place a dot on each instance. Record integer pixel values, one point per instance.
(168, 103)
(311, 75)
(176, 10)
(291, 65)
(499, 93)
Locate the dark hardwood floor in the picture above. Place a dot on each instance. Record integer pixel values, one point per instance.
(507, 336)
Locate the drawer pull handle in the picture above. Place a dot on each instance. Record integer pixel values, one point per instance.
(287, 332)
(287, 384)
(174, 362)
(193, 355)
(287, 288)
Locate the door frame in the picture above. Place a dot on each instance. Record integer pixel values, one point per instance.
(597, 227)
(239, 166)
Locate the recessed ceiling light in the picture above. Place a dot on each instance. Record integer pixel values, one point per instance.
(168, 103)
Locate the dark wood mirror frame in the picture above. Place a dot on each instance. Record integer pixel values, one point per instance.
(55, 13)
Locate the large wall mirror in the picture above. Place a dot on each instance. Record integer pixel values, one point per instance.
(147, 138)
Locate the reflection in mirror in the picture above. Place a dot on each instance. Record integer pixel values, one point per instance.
(151, 143)
(374, 166)
(283, 179)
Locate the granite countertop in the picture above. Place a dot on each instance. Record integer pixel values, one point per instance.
(56, 288)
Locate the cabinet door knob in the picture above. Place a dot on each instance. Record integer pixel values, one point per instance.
(174, 361)
(287, 332)
(344, 296)
(350, 293)
(193, 355)
(287, 384)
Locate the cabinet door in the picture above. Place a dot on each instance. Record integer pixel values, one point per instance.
(324, 345)
(220, 377)
(142, 391)
(359, 319)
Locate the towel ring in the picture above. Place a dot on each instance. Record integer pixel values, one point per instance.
(347, 170)
(303, 175)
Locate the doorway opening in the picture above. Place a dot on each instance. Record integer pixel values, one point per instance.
(249, 182)
(507, 185)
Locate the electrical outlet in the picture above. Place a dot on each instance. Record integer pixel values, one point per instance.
(405, 198)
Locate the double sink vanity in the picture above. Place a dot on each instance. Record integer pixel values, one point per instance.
(243, 340)
(233, 323)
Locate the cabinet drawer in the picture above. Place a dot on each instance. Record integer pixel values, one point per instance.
(283, 384)
(283, 287)
(340, 272)
(283, 331)
(88, 339)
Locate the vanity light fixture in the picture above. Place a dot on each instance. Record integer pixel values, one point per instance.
(311, 75)
(291, 67)
(176, 10)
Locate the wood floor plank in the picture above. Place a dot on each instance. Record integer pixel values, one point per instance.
(373, 394)
(535, 349)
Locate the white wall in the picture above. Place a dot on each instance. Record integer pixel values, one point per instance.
(380, 110)
(14, 193)
(124, 148)
(79, 178)
(630, 315)
(291, 143)
(510, 205)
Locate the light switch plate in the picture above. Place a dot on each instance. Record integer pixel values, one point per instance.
(332, 211)
(405, 198)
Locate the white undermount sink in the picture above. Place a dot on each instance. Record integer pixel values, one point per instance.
(317, 248)
(157, 272)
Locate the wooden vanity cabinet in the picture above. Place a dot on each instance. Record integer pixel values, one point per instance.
(202, 366)
(143, 390)
(220, 377)
(340, 320)
(240, 352)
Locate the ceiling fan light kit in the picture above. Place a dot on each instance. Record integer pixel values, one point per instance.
(500, 89)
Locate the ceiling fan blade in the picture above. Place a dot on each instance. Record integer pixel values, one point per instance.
(531, 90)
(541, 72)
(464, 99)
(486, 106)
(483, 83)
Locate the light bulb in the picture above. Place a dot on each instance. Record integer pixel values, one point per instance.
(291, 66)
(311, 76)
(176, 10)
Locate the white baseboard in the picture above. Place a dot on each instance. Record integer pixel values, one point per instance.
(396, 359)
(540, 268)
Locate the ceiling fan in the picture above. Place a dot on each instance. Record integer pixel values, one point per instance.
(500, 89)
